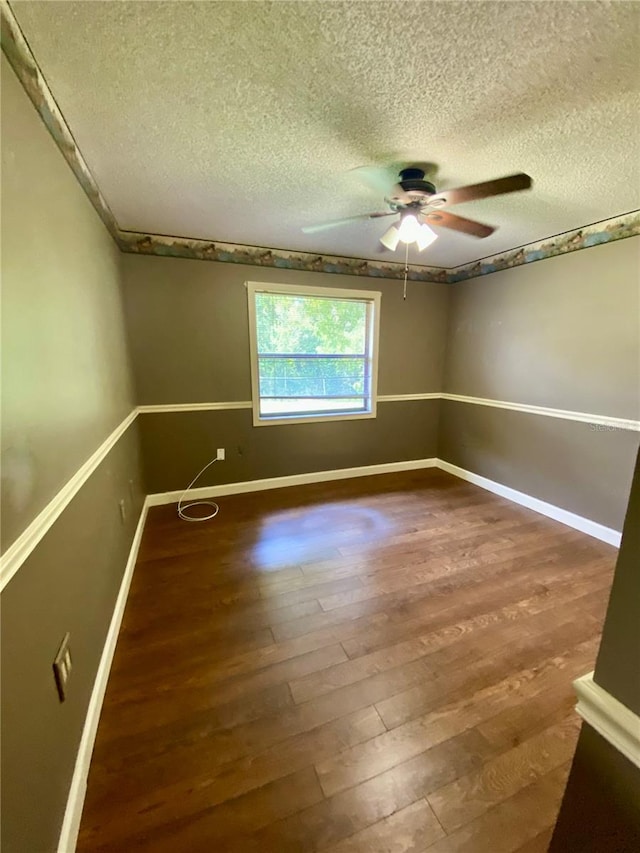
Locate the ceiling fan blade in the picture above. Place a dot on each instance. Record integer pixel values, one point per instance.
(458, 223)
(335, 223)
(500, 186)
(380, 180)
(375, 177)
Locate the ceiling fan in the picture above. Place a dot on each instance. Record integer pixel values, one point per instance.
(417, 202)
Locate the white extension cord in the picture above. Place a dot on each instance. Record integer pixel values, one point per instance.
(181, 509)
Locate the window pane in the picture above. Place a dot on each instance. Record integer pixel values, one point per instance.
(309, 324)
(314, 352)
(309, 376)
(295, 406)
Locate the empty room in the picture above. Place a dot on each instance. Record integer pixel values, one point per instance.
(320, 420)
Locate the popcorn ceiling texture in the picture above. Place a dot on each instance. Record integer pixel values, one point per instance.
(238, 121)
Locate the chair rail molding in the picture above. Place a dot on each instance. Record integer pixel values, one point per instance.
(193, 407)
(27, 541)
(549, 412)
(606, 421)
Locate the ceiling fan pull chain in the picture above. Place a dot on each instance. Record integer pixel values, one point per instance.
(406, 272)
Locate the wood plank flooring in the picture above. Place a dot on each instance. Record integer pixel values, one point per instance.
(377, 665)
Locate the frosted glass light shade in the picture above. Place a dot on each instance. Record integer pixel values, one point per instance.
(391, 238)
(425, 237)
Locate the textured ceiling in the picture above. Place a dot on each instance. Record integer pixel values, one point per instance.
(239, 121)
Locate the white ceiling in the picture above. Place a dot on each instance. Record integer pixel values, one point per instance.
(239, 121)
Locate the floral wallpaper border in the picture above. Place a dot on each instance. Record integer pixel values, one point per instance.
(234, 253)
(606, 231)
(18, 53)
(618, 228)
(26, 68)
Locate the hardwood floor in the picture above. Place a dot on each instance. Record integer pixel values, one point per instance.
(379, 664)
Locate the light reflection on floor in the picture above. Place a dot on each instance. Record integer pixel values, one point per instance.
(301, 536)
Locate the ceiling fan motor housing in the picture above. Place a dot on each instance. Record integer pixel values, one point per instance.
(413, 183)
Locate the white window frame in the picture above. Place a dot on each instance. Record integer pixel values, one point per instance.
(371, 296)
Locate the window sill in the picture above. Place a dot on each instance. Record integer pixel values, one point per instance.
(280, 420)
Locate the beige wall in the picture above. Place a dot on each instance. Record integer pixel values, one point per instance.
(189, 337)
(65, 375)
(189, 328)
(618, 665)
(70, 582)
(65, 387)
(177, 445)
(563, 333)
(569, 464)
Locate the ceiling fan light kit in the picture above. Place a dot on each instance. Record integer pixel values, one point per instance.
(417, 200)
(409, 231)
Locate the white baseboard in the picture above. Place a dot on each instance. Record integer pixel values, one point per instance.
(77, 791)
(161, 498)
(578, 522)
(610, 718)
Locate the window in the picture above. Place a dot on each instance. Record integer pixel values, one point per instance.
(314, 353)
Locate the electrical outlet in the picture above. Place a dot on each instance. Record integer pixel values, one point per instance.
(220, 454)
(62, 665)
(123, 510)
